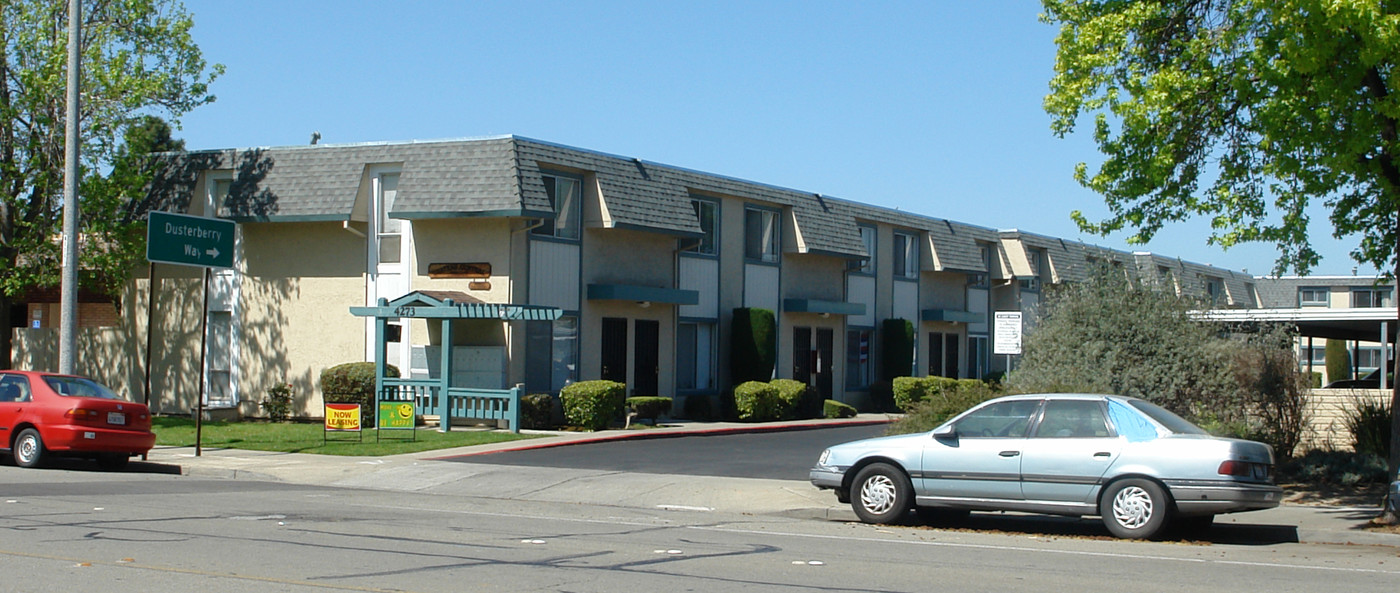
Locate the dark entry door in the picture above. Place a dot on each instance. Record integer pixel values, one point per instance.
(646, 357)
(825, 337)
(614, 349)
(802, 354)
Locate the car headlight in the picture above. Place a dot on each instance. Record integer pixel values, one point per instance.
(822, 459)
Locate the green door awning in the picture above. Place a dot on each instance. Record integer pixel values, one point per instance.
(444, 304)
(822, 307)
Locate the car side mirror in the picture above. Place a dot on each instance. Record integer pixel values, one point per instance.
(945, 432)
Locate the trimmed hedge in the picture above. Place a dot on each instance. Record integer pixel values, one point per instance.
(800, 400)
(353, 383)
(537, 411)
(912, 390)
(753, 345)
(649, 407)
(834, 409)
(756, 401)
(896, 349)
(593, 404)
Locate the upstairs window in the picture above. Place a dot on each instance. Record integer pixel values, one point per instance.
(563, 195)
(979, 279)
(388, 231)
(1312, 296)
(906, 256)
(867, 237)
(761, 235)
(1215, 290)
(1364, 298)
(705, 214)
(1032, 283)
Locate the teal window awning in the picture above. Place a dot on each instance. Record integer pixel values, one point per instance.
(447, 304)
(822, 307)
(649, 294)
(952, 316)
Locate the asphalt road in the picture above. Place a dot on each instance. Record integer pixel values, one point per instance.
(63, 530)
(783, 455)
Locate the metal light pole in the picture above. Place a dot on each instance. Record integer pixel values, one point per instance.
(68, 303)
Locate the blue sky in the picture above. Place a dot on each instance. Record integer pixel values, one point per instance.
(931, 107)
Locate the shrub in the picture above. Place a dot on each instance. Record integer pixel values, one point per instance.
(1342, 468)
(649, 407)
(950, 394)
(1337, 360)
(1273, 389)
(799, 399)
(593, 404)
(699, 407)
(936, 409)
(278, 403)
(353, 383)
(1369, 425)
(756, 401)
(753, 345)
(537, 411)
(896, 349)
(834, 409)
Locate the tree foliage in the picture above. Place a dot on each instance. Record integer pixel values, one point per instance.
(1242, 111)
(138, 59)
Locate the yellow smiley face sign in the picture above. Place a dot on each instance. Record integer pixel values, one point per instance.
(397, 415)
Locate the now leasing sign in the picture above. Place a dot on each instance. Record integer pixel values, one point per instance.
(189, 240)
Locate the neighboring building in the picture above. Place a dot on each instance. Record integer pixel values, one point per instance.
(645, 264)
(1330, 294)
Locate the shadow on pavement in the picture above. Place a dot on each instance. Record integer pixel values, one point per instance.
(1239, 534)
(79, 464)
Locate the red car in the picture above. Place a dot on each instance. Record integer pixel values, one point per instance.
(44, 414)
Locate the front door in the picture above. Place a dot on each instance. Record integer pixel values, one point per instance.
(646, 357)
(802, 355)
(825, 353)
(614, 349)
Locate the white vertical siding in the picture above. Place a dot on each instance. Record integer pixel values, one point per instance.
(701, 275)
(906, 301)
(761, 286)
(861, 289)
(554, 274)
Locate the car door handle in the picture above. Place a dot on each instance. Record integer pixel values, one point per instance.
(1103, 454)
(1009, 453)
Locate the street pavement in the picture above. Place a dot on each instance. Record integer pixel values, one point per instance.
(431, 472)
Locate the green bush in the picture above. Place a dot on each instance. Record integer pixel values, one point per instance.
(593, 404)
(1337, 360)
(278, 403)
(649, 407)
(896, 349)
(699, 407)
(800, 400)
(909, 391)
(756, 401)
(1342, 468)
(1369, 425)
(753, 345)
(537, 411)
(834, 409)
(353, 383)
(927, 414)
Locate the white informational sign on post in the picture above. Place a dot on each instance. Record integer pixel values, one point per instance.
(1007, 333)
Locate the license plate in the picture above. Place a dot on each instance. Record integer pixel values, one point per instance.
(1261, 472)
(118, 418)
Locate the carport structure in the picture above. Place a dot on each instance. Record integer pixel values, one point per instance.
(438, 395)
(1376, 324)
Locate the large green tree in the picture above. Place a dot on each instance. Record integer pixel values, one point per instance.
(138, 59)
(1253, 113)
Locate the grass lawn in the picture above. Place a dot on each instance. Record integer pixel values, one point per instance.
(310, 438)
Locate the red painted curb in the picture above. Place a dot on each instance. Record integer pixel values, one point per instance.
(664, 434)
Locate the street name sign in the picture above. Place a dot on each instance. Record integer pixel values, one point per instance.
(189, 240)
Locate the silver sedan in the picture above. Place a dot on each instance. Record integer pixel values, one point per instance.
(1136, 465)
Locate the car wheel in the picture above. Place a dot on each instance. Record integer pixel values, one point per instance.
(1135, 509)
(112, 461)
(881, 494)
(29, 448)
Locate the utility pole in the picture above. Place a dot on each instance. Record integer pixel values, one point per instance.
(68, 303)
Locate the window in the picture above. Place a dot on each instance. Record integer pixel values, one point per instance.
(551, 354)
(906, 256)
(761, 238)
(859, 372)
(563, 195)
(695, 369)
(1312, 296)
(1215, 290)
(1071, 419)
(1032, 283)
(1316, 354)
(705, 215)
(867, 238)
(1368, 357)
(943, 354)
(1370, 297)
(1007, 419)
(1168, 279)
(388, 231)
(979, 279)
(977, 350)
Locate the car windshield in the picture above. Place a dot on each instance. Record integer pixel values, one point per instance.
(79, 387)
(1170, 421)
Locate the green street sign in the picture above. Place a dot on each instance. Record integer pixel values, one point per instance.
(189, 240)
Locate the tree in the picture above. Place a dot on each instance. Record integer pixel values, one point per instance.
(138, 59)
(1243, 111)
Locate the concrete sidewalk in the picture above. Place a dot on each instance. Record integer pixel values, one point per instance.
(426, 472)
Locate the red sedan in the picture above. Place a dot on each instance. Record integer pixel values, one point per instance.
(44, 414)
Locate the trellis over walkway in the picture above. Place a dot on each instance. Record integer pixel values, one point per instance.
(438, 395)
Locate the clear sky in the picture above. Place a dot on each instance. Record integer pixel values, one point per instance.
(931, 106)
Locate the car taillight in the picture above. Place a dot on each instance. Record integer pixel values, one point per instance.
(1235, 468)
(81, 414)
